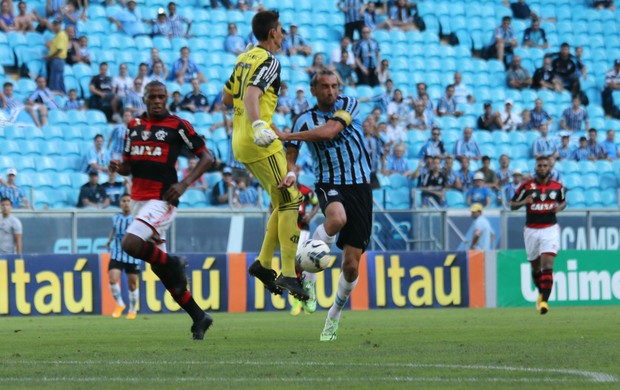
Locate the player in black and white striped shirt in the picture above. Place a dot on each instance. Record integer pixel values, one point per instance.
(120, 260)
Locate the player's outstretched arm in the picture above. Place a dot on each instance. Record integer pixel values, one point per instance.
(327, 132)
(291, 158)
(263, 135)
(121, 167)
(176, 190)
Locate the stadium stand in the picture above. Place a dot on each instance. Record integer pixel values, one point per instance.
(454, 36)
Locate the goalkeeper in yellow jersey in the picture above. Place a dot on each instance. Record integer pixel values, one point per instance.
(253, 89)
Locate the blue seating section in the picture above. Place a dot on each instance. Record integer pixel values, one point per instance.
(49, 158)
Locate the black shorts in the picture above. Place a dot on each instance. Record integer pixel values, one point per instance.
(357, 202)
(127, 267)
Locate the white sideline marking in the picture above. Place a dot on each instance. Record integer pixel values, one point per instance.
(590, 376)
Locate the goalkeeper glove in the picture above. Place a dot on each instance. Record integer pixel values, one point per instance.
(263, 135)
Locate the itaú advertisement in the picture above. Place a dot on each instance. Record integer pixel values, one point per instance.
(580, 278)
(79, 284)
(49, 284)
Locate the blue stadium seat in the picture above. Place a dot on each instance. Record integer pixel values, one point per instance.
(570, 166)
(591, 181)
(455, 198)
(193, 199)
(7, 57)
(573, 181)
(45, 164)
(594, 198)
(575, 198)
(587, 167)
(609, 198)
(76, 117)
(95, 117)
(40, 200)
(398, 181)
(399, 199)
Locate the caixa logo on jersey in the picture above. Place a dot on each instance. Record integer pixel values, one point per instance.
(148, 151)
(542, 206)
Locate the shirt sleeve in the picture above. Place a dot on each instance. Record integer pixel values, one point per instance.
(301, 124)
(351, 107)
(266, 73)
(191, 139)
(17, 226)
(519, 193)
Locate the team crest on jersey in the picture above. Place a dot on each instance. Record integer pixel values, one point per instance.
(543, 196)
(133, 133)
(160, 135)
(146, 134)
(332, 193)
(552, 195)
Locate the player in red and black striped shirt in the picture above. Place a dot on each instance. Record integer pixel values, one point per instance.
(153, 142)
(543, 198)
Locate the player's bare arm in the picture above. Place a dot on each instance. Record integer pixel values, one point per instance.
(291, 158)
(251, 102)
(227, 98)
(327, 132)
(121, 167)
(176, 190)
(516, 205)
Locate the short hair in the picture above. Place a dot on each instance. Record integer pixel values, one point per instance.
(542, 158)
(98, 136)
(592, 129)
(324, 72)
(171, 3)
(103, 63)
(582, 138)
(5, 199)
(263, 22)
(153, 84)
(505, 18)
(449, 86)
(72, 90)
(124, 195)
(7, 84)
(486, 158)
(565, 44)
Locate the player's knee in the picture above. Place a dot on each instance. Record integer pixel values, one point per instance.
(132, 244)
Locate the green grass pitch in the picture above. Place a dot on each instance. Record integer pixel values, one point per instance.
(569, 348)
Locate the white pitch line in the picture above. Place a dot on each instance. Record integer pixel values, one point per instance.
(591, 376)
(305, 379)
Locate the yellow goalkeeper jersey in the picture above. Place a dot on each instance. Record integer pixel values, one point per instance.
(260, 68)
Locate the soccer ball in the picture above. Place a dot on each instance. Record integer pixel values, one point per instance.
(313, 256)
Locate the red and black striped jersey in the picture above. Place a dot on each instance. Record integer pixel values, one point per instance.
(152, 146)
(309, 198)
(547, 196)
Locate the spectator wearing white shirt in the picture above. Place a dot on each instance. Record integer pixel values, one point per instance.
(509, 120)
(419, 118)
(395, 131)
(462, 94)
(398, 105)
(345, 45)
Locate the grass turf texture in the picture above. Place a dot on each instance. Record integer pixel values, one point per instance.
(569, 348)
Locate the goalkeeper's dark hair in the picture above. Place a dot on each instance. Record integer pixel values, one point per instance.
(324, 72)
(263, 22)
